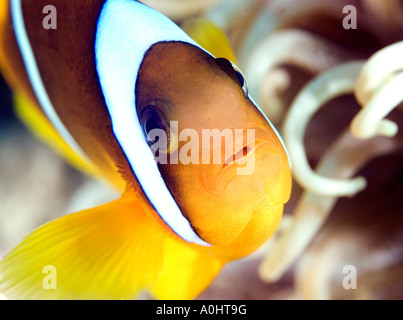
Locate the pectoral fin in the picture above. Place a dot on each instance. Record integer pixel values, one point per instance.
(109, 252)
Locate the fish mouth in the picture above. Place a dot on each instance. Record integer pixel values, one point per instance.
(252, 139)
(238, 158)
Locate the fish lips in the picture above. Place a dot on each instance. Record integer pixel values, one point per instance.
(257, 161)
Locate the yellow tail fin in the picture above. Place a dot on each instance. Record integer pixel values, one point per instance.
(109, 252)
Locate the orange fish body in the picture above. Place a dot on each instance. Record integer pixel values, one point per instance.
(203, 174)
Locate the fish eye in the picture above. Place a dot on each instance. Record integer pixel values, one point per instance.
(154, 125)
(234, 73)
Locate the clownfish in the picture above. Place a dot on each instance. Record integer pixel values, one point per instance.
(110, 75)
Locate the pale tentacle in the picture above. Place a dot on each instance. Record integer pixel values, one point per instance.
(313, 279)
(292, 47)
(320, 268)
(315, 271)
(378, 89)
(377, 69)
(341, 161)
(370, 120)
(330, 84)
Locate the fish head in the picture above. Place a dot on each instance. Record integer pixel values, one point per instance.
(223, 162)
